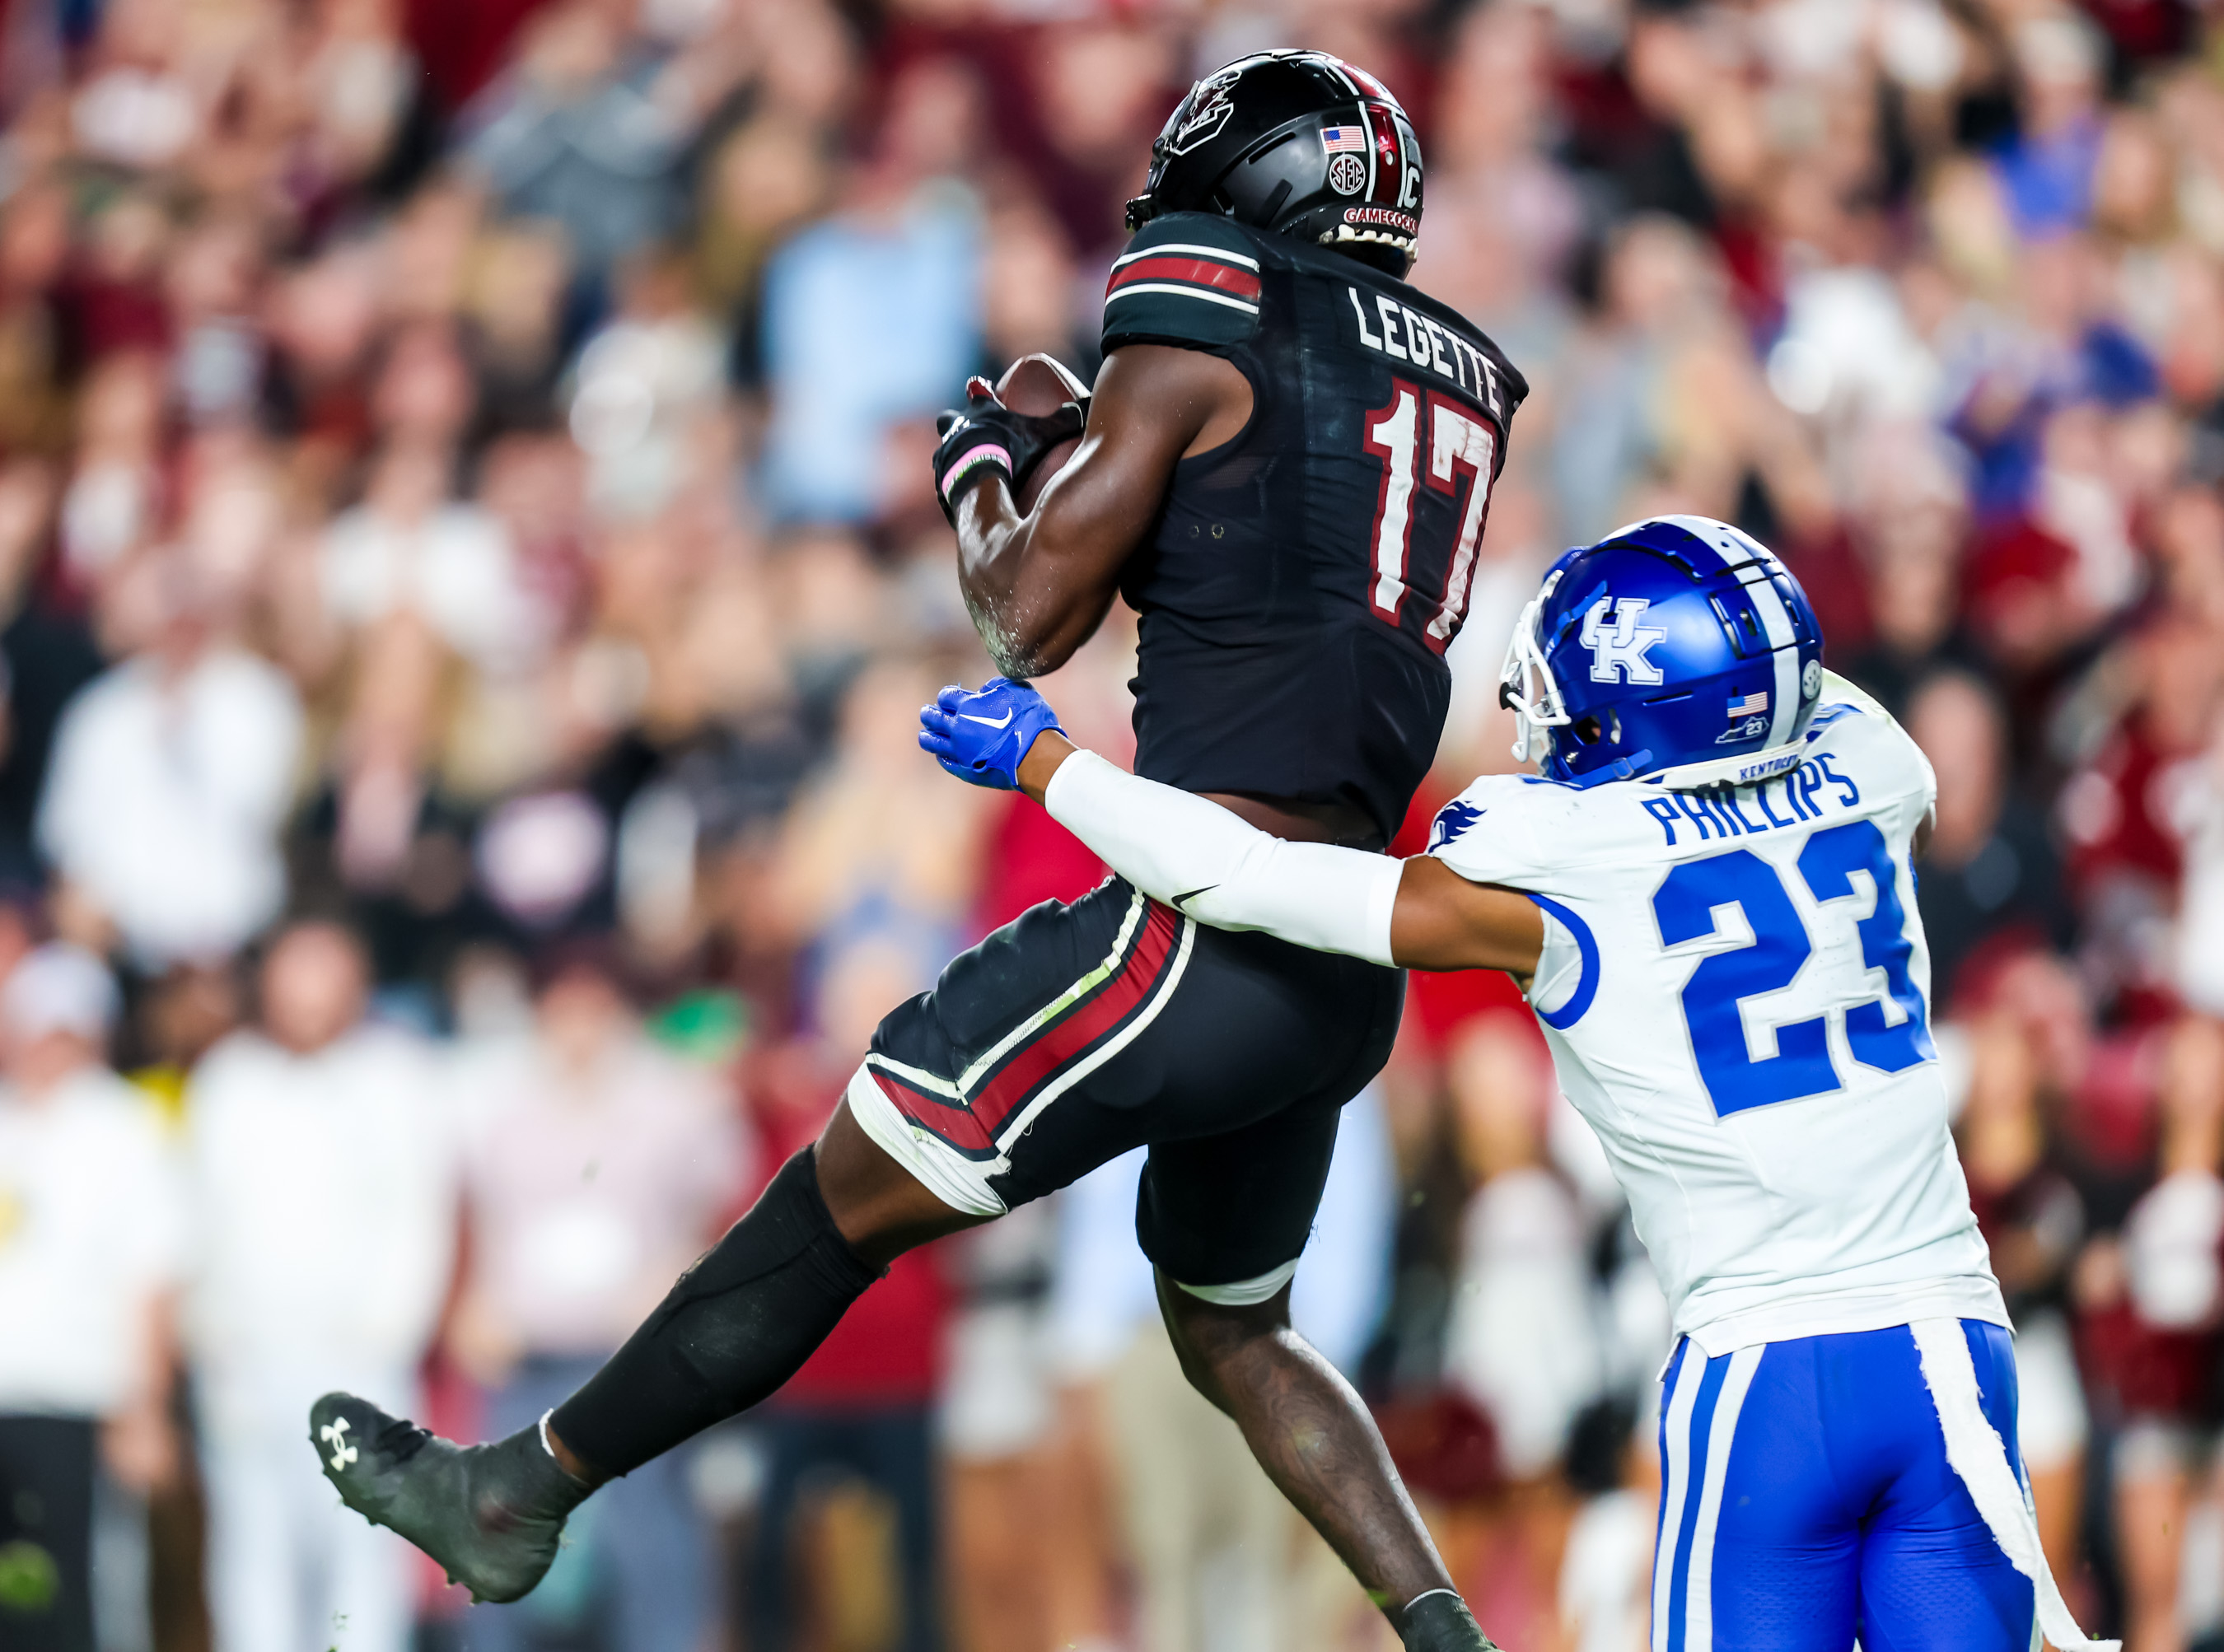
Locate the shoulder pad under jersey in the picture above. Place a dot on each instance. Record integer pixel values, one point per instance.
(1849, 720)
(1504, 828)
(1189, 278)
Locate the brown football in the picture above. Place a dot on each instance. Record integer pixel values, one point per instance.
(1041, 384)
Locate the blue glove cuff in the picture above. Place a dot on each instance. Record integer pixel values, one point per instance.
(983, 736)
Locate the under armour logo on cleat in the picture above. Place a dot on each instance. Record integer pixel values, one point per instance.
(1005, 721)
(334, 1433)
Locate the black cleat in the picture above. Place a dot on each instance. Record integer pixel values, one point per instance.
(490, 1515)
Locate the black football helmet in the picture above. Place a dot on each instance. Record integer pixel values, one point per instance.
(1297, 142)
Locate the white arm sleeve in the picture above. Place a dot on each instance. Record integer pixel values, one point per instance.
(1201, 859)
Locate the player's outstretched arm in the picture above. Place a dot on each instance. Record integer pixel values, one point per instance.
(1443, 922)
(1197, 856)
(1416, 914)
(1038, 584)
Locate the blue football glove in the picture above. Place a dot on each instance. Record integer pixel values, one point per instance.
(982, 735)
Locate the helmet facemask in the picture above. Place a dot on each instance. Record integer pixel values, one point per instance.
(1526, 686)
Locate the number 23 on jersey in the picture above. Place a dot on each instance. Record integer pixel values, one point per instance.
(1714, 998)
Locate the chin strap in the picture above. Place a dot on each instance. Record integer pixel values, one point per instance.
(1622, 768)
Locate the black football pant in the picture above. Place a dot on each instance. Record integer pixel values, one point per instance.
(1079, 1031)
(1069, 1036)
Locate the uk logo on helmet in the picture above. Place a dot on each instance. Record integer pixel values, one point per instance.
(1618, 644)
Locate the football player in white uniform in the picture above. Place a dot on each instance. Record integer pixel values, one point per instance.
(1707, 894)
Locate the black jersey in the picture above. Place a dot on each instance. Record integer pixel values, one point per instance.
(1304, 578)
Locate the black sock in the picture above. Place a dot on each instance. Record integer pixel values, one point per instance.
(1440, 1621)
(734, 1327)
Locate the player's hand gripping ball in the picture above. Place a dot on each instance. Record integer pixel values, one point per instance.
(988, 438)
(982, 735)
(1039, 383)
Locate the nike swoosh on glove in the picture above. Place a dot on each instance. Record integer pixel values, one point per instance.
(983, 734)
(985, 438)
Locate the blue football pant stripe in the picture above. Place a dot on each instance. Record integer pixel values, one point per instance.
(1709, 1434)
(1680, 1389)
(1695, 1438)
(1722, 1436)
(1806, 1499)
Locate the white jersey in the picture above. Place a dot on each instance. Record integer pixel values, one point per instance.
(1735, 987)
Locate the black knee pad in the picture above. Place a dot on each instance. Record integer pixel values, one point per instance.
(788, 1225)
(732, 1329)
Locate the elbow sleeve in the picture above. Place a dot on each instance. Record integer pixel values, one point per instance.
(1222, 871)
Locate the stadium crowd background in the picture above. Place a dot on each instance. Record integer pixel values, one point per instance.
(468, 569)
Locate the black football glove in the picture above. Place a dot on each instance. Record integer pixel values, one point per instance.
(987, 439)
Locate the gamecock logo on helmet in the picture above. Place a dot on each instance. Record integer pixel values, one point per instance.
(1211, 113)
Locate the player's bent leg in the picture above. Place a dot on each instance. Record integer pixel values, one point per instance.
(1226, 1213)
(734, 1327)
(879, 1202)
(1313, 1435)
(756, 1305)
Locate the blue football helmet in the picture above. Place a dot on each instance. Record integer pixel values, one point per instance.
(1675, 651)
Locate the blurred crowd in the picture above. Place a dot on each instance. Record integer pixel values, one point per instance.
(468, 566)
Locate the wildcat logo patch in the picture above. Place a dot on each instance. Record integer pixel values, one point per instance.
(1454, 818)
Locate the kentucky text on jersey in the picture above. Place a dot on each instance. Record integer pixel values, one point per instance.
(1715, 812)
(1405, 335)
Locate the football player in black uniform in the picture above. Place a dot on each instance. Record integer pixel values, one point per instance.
(1284, 467)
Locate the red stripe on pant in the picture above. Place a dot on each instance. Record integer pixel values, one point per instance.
(972, 1128)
